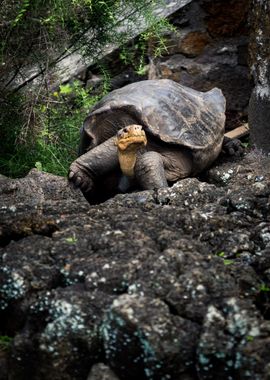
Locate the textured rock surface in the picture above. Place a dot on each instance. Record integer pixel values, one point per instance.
(259, 106)
(209, 49)
(167, 284)
(101, 372)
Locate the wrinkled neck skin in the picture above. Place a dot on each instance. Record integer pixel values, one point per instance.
(128, 157)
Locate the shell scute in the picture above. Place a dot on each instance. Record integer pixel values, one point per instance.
(171, 112)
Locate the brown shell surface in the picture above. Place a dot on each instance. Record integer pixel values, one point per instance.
(168, 110)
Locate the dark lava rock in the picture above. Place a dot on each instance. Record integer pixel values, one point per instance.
(226, 330)
(165, 284)
(157, 343)
(101, 372)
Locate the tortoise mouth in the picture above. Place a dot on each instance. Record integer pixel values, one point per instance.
(131, 137)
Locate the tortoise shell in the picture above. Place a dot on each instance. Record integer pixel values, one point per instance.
(169, 111)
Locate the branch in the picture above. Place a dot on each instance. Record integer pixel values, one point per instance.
(64, 55)
(238, 132)
(18, 68)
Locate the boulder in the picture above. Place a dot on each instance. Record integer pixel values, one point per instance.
(164, 284)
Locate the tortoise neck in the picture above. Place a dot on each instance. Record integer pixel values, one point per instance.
(127, 158)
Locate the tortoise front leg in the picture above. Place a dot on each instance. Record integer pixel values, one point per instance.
(149, 171)
(97, 162)
(232, 146)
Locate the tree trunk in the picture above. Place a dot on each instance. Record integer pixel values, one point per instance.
(259, 106)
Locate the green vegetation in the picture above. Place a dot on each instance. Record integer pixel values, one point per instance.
(221, 254)
(5, 342)
(51, 143)
(40, 127)
(225, 261)
(150, 44)
(264, 288)
(71, 239)
(228, 262)
(43, 33)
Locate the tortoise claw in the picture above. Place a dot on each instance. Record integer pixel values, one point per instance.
(71, 175)
(79, 179)
(232, 147)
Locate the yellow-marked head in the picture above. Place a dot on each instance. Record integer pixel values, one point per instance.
(131, 137)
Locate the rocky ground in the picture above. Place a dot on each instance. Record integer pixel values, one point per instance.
(168, 284)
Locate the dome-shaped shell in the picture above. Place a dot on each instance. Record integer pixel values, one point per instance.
(173, 113)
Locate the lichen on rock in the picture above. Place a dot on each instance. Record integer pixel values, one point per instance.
(155, 285)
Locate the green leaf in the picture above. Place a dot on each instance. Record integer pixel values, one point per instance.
(71, 239)
(65, 89)
(228, 262)
(43, 108)
(38, 166)
(141, 70)
(23, 10)
(264, 288)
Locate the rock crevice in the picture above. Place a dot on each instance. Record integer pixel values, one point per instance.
(163, 284)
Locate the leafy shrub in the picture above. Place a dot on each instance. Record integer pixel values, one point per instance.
(51, 143)
(40, 129)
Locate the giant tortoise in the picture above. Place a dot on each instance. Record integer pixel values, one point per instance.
(151, 134)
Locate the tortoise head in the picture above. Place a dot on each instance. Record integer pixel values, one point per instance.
(129, 140)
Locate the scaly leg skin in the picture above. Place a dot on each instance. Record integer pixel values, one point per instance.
(97, 162)
(149, 171)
